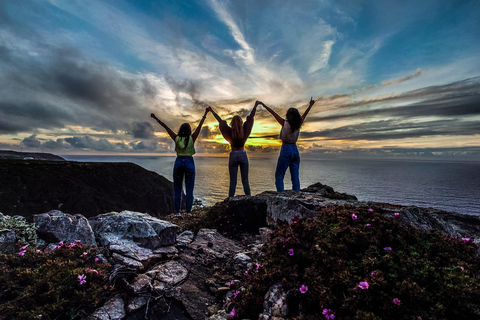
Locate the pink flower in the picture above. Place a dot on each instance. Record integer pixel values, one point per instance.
(38, 251)
(282, 239)
(84, 254)
(235, 294)
(354, 216)
(73, 244)
(372, 273)
(387, 248)
(259, 266)
(368, 225)
(396, 214)
(396, 301)
(303, 288)
(370, 210)
(232, 313)
(231, 283)
(363, 285)
(82, 279)
(96, 259)
(246, 271)
(466, 239)
(291, 252)
(60, 243)
(328, 314)
(24, 247)
(21, 253)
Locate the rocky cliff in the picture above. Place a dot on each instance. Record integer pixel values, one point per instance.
(29, 187)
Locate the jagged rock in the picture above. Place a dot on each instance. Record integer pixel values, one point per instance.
(129, 262)
(170, 273)
(220, 244)
(166, 252)
(137, 303)
(242, 258)
(141, 284)
(134, 228)
(275, 303)
(55, 226)
(113, 309)
(185, 238)
(144, 255)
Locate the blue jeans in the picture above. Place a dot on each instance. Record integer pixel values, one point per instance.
(184, 167)
(238, 158)
(289, 157)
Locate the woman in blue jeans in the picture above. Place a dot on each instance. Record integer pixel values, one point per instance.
(289, 156)
(184, 165)
(237, 134)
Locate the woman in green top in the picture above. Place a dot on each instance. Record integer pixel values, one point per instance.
(184, 165)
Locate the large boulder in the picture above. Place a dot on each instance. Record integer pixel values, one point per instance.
(133, 228)
(55, 226)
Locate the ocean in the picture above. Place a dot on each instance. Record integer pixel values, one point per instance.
(446, 185)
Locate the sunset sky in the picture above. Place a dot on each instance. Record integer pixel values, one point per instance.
(391, 78)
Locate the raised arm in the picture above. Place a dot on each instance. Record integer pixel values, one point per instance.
(171, 133)
(197, 130)
(215, 114)
(312, 102)
(274, 114)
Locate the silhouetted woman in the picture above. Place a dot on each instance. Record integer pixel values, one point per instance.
(237, 134)
(289, 156)
(184, 165)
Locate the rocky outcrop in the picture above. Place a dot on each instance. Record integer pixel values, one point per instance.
(86, 188)
(188, 276)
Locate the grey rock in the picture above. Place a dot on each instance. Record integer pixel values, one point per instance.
(137, 303)
(56, 226)
(171, 273)
(242, 258)
(113, 309)
(133, 227)
(129, 262)
(141, 284)
(220, 244)
(144, 255)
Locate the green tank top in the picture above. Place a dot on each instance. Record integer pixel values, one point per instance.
(181, 149)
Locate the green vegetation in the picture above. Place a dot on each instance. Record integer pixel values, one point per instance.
(66, 283)
(354, 263)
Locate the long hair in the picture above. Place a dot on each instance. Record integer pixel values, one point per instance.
(185, 132)
(294, 119)
(237, 127)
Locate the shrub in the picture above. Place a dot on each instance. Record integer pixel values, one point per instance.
(36, 284)
(356, 264)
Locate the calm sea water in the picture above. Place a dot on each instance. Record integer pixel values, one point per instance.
(451, 186)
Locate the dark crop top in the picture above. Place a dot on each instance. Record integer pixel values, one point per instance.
(226, 131)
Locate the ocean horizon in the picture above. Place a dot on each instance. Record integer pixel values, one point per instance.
(446, 185)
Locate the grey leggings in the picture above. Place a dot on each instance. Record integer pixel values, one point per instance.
(238, 158)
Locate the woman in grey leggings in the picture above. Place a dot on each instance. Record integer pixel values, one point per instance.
(237, 134)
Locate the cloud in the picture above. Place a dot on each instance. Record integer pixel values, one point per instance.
(417, 73)
(31, 142)
(143, 130)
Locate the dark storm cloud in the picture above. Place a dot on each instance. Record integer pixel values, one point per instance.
(62, 88)
(143, 130)
(87, 142)
(31, 142)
